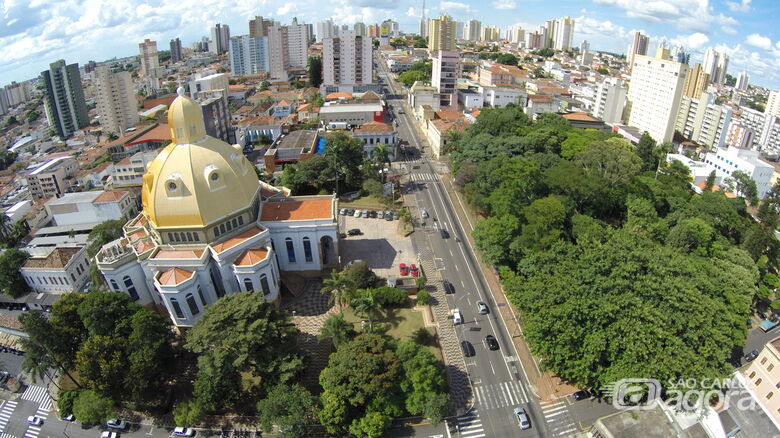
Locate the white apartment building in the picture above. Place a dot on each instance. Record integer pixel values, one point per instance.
(116, 104)
(743, 80)
(220, 36)
(638, 46)
(473, 30)
(150, 63)
(56, 269)
(444, 76)
(248, 55)
(326, 29)
(563, 36)
(17, 93)
(129, 171)
(288, 48)
(610, 100)
(211, 82)
(346, 59)
(655, 93)
(92, 207)
(773, 103)
(716, 65)
(48, 179)
(704, 122)
(725, 161)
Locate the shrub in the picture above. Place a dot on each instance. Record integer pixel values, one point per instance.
(423, 296)
(389, 296)
(65, 399)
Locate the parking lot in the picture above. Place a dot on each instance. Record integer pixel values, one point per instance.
(380, 244)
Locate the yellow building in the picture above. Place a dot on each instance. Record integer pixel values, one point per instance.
(441, 33)
(696, 82)
(209, 227)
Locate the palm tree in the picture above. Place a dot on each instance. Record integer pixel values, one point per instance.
(338, 329)
(340, 288)
(366, 306)
(381, 155)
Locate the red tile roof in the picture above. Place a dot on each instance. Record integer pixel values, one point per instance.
(233, 241)
(174, 276)
(57, 259)
(370, 127)
(297, 210)
(252, 257)
(178, 254)
(159, 133)
(579, 116)
(110, 196)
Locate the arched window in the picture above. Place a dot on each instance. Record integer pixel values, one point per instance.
(290, 250)
(241, 220)
(130, 288)
(114, 286)
(264, 284)
(194, 310)
(202, 298)
(189, 236)
(217, 284)
(196, 237)
(248, 285)
(177, 308)
(307, 250)
(222, 228)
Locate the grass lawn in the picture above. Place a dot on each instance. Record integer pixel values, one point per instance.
(404, 323)
(368, 203)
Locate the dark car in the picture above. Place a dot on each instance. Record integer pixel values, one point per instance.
(448, 289)
(581, 395)
(354, 232)
(372, 214)
(491, 342)
(750, 357)
(468, 349)
(444, 234)
(350, 212)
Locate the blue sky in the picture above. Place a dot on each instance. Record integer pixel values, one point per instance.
(34, 33)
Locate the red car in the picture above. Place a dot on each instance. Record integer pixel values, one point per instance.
(414, 271)
(404, 269)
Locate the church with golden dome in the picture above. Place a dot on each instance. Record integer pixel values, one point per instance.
(209, 227)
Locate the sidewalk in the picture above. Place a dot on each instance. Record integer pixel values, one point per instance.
(546, 385)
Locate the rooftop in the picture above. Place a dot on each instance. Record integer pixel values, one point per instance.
(295, 210)
(351, 107)
(57, 259)
(252, 257)
(298, 139)
(371, 127)
(185, 254)
(159, 133)
(111, 196)
(173, 276)
(235, 240)
(579, 117)
(74, 198)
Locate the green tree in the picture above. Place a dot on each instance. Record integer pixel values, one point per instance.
(102, 313)
(544, 219)
(373, 188)
(643, 220)
(315, 71)
(423, 297)
(45, 347)
(149, 355)
(92, 408)
(314, 171)
(506, 59)
(65, 400)
(103, 233)
(101, 364)
(11, 281)
(493, 237)
(710, 182)
(345, 154)
(745, 186)
(645, 149)
(360, 276)
(613, 160)
(187, 413)
(218, 382)
(366, 305)
(371, 425)
(692, 235)
(338, 329)
(423, 383)
(409, 77)
(340, 288)
(291, 408)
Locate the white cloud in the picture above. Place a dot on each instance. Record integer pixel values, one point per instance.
(463, 8)
(691, 15)
(743, 6)
(590, 27)
(286, 9)
(759, 41)
(504, 4)
(695, 40)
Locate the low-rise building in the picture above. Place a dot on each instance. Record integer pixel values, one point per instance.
(438, 133)
(48, 179)
(92, 207)
(499, 97)
(538, 104)
(726, 161)
(56, 270)
(253, 129)
(292, 148)
(129, 171)
(352, 114)
(376, 133)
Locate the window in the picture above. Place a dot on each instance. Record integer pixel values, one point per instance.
(769, 396)
(202, 298)
(189, 236)
(241, 220)
(192, 304)
(307, 250)
(753, 374)
(290, 250)
(235, 223)
(264, 284)
(72, 278)
(770, 367)
(763, 361)
(222, 228)
(130, 288)
(248, 285)
(177, 308)
(757, 382)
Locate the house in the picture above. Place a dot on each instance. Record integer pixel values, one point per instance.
(376, 133)
(283, 108)
(252, 129)
(584, 121)
(353, 114)
(438, 133)
(129, 171)
(540, 103)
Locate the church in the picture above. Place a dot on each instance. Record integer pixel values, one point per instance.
(209, 227)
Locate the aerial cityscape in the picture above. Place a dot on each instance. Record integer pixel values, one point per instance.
(390, 219)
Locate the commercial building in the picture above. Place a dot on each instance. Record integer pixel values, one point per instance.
(696, 81)
(610, 100)
(220, 38)
(150, 62)
(288, 48)
(92, 207)
(346, 59)
(56, 270)
(725, 161)
(248, 55)
(116, 104)
(441, 34)
(716, 65)
(176, 53)
(444, 76)
(655, 93)
(704, 122)
(638, 47)
(207, 228)
(353, 114)
(66, 109)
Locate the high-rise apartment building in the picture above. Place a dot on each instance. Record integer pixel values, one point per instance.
(638, 47)
(703, 121)
(116, 104)
(473, 30)
(743, 79)
(490, 34)
(17, 93)
(773, 104)
(150, 63)
(655, 93)
(609, 101)
(441, 33)
(248, 55)
(220, 37)
(288, 48)
(716, 64)
(64, 102)
(444, 76)
(515, 34)
(696, 81)
(258, 27)
(326, 29)
(392, 27)
(460, 28)
(563, 34)
(346, 59)
(360, 29)
(176, 53)
(3, 101)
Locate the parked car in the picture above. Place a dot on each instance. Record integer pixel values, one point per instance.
(354, 232)
(380, 214)
(395, 215)
(358, 213)
(343, 211)
(414, 271)
(403, 269)
(388, 215)
(424, 214)
(750, 357)
(457, 317)
(522, 418)
(468, 349)
(444, 234)
(448, 288)
(70, 417)
(483, 308)
(35, 420)
(581, 395)
(491, 342)
(116, 423)
(108, 434)
(364, 214)
(183, 431)
(350, 212)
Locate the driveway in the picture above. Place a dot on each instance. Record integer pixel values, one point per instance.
(381, 245)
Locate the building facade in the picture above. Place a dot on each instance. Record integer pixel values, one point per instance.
(176, 53)
(725, 161)
(716, 65)
(441, 34)
(66, 109)
(150, 62)
(220, 38)
(288, 48)
(655, 93)
(116, 104)
(444, 76)
(610, 100)
(696, 81)
(638, 47)
(473, 30)
(248, 55)
(56, 270)
(92, 207)
(743, 80)
(763, 378)
(347, 59)
(703, 121)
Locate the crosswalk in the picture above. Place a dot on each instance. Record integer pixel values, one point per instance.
(42, 413)
(499, 395)
(424, 177)
(5, 413)
(470, 425)
(37, 394)
(559, 421)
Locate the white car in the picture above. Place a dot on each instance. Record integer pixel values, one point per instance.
(115, 423)
(457, 317)
(424, 214)
(35, 421)
(183, 431)
(357, 213)
(108, 434)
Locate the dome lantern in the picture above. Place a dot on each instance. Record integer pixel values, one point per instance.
(185, 119)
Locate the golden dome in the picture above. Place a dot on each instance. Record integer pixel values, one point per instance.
(197, 180)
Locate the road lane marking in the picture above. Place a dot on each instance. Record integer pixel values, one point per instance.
(509, 393)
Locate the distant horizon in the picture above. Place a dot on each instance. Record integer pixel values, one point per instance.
(36, 36)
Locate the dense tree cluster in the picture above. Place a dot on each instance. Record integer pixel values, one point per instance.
(419, 71)
(618, 268)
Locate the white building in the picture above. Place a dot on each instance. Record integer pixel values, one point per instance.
(346, 59)
(220, 37)
(206, 229)
(563, 34)
(351, 113)
(638, 47)
(444, 76)
(725, 161)
(716, 64)
(499, 97)
(91, 207)
(326, 29)
(703, 121)
(56, 270)
(376, 133)
(288, 48)
(116, 104)
(472, 31)
(248, 55)
(773, 103)
(150, 63)
(129, 171)
(655, 93)
(743, 80)
(201, 85)
(609, 100)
